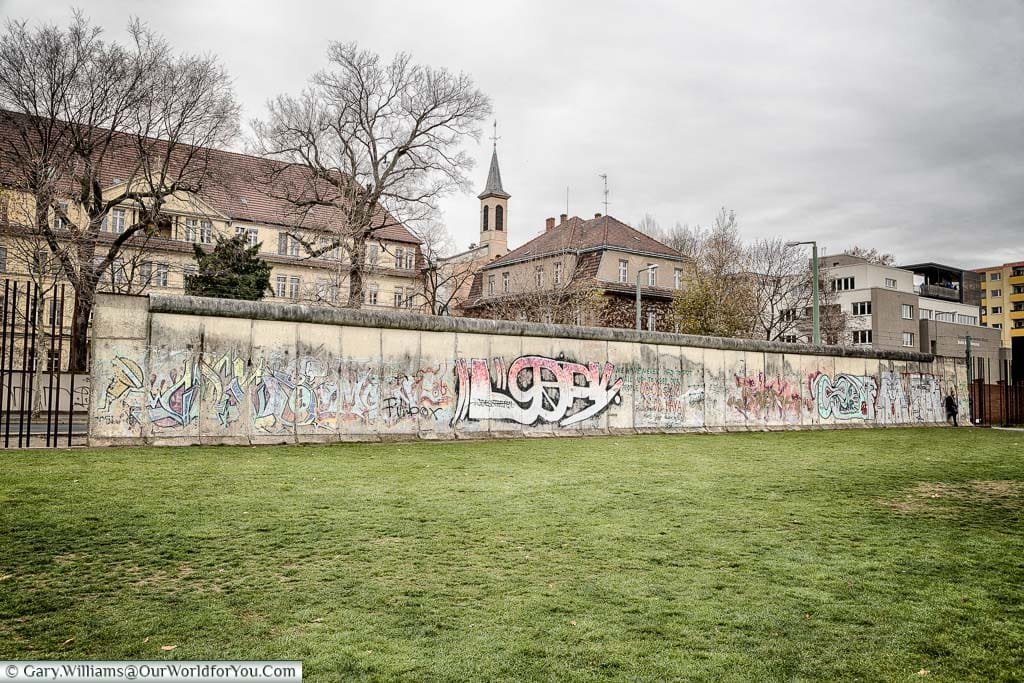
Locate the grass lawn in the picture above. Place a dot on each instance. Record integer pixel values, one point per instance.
(863, 554)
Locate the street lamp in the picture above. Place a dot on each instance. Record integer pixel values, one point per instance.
(653, 266)
(815, 319)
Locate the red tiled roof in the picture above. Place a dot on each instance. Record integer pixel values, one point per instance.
(237, 186)
(578, 234)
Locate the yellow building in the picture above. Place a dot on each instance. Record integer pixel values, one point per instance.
(1002, 302)
(233, 206)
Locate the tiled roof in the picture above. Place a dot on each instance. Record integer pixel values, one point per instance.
(578, 234)
(237, 187)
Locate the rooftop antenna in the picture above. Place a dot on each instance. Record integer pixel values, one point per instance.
(494, 136)
(604, 177)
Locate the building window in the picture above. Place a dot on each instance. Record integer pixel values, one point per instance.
(117, 221)
(995, 310)
(906, 311)
(160, 271)
(287, 245)
(538, 276)
(490, 285)
(293, 287)
(558, 271)
(372, 299)
(56, 318)
(677, 278)
(651, 321)
(997, 326)
(843, 284)
(3, 259)
(890, 283)
(995, 276)
(995, 293)
(788, 338)
(943, 317)
(249, 234)
(504, 282)
(908, 338)
(499, 218)
(652, 275)
(410, 259)
(282, 286)
(372, 254)
(59, 222)
(487, 217)
(623, 270)
(966, 319)
(399, 297)
(924, 313)
(328, 248)
(399, 257)
(862, 336)
(862, 308)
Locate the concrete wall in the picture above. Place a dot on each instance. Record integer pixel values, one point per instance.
(181, 370)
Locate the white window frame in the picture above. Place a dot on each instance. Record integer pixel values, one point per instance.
(118, 220)
(281, 286)
(558, 273)
(907, 311)
(861, 308)
(677, 278)
(504, 282)
(908, 339)
(372, 297)
(652, 275)
(891, 283)
(623, 270)
(490, 285)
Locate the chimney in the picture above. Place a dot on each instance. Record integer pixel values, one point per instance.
(597, 215)
(564, 217)
(549, 223)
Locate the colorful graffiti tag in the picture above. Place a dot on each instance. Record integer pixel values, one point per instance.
(764, 399)
(847, 397)
(533, 389)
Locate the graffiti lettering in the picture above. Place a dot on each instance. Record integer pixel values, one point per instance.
(534, 389)
(848, 397)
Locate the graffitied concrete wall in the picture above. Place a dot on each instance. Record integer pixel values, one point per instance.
(182, 370)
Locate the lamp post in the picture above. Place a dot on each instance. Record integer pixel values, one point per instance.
(642, 270)
(815, 315)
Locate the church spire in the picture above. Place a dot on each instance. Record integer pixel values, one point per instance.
(493, 187)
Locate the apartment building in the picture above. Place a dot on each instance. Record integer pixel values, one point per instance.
(1002, 300)
(924, 307)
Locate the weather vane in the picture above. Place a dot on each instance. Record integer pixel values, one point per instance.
(494, 137)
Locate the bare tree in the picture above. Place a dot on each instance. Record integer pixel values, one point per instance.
(370, 143)
(871, 255)
(95, 126)
(781, 287)
(536, 296)
(444, 276)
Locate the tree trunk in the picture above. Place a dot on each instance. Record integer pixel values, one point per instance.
(79, 357)
(355, 271)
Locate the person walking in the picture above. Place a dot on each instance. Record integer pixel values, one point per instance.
(952, 410)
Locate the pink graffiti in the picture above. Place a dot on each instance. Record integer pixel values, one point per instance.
(533, 389)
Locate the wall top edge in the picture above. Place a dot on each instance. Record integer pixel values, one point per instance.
(297, 313)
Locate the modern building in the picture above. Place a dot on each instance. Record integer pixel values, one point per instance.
(1002, 300)
(925, 307)
(581, 271)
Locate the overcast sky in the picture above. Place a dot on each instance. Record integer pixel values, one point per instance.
(896, 125)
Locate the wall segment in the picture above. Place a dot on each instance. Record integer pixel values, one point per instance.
(184, 370)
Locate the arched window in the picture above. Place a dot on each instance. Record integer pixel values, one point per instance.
(487, 214)
(499, 218)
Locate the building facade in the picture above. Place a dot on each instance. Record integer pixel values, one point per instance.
(925, 307)
(582, 271)
(1002, 300)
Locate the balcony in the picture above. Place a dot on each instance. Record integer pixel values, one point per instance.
(1016, 297)
(1016, 279)
(1017, 314)
(940, 292)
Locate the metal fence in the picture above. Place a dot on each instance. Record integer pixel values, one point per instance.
(41, 404)
(999, 405)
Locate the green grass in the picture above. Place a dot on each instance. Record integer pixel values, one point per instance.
(863, 554)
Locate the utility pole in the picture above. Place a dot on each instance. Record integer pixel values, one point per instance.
(970, 381)
(815, 295)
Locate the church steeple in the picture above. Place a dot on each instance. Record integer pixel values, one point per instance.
(494, 208)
